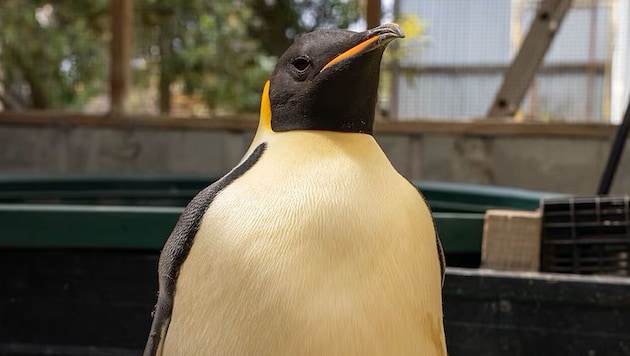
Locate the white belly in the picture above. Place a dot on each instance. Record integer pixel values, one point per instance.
(324, 252)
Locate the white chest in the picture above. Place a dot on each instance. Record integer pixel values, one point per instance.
(336, 255)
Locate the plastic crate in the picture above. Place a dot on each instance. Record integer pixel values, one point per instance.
(586, 235)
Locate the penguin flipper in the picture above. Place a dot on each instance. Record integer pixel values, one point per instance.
(172, 257)
(177, 247)
(161, 319)
(441, 257)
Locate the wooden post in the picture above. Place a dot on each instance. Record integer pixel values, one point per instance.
(519, 75)
(120, 70)
(373, 15)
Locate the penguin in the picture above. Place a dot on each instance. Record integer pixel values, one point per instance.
(313, 244)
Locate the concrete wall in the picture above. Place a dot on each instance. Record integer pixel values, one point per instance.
(562, 164)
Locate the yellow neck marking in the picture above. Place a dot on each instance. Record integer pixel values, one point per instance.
(264, 122)
(265, 108)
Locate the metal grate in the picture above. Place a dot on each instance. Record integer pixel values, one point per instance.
(586, 235)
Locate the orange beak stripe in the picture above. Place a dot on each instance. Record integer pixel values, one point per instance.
(351, 52)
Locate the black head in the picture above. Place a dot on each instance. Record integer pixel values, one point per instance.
(328, 80)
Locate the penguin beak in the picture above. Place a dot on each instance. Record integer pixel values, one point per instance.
(372, 39)
(386, 33)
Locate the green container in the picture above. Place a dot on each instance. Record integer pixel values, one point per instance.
(139, 212)
(475, 198)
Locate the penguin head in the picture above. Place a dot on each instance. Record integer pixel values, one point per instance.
(328, 80)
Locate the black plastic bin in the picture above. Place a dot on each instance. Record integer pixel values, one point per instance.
(587, 235)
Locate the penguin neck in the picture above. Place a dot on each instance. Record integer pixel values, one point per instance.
(264, 133)
(319, 146)
(356, 118)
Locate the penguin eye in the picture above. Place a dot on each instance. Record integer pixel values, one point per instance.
(301, 64)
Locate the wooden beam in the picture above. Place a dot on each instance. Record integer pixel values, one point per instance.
(519, 75)
(120, 77)
(373, 15)
(249, 122)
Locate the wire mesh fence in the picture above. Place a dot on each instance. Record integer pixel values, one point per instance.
(453, 71)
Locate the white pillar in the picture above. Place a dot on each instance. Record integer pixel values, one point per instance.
(620, 68)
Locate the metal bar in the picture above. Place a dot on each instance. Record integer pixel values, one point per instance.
(615, 154)
(556, 68)
(519, 75)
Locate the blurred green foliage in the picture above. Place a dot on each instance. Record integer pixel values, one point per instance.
(52, 58)
(54, 54)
